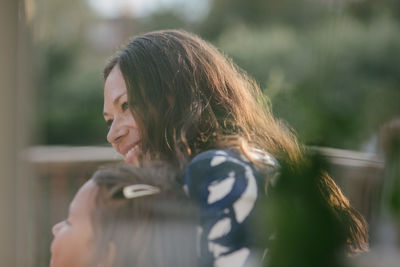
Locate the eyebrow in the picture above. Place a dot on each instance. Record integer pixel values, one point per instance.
(115, 102)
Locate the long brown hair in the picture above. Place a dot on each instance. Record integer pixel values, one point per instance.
(187, 97)
(151, 231)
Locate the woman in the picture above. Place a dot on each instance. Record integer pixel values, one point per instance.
(170, 95)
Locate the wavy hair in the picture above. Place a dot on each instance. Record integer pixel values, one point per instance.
(187, 97)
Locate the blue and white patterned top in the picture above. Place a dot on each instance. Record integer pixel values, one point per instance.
(226, 186)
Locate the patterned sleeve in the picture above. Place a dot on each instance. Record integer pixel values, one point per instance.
(224, 185)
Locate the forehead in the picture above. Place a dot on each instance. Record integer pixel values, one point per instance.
(84, 200)
(114, 85)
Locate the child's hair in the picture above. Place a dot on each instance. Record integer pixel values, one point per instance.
(157, 229)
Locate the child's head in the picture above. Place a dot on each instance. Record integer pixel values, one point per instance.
(127, 216)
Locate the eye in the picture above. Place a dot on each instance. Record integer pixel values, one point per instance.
(124, 106)
(109, 123)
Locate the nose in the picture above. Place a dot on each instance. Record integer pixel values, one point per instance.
(56, 228)
(116, 132)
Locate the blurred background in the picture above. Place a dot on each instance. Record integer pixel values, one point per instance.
(331, 69)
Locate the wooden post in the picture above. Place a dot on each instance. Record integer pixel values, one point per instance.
(15, 217)
(8, 74)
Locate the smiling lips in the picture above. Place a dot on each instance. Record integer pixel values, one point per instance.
(132, 152)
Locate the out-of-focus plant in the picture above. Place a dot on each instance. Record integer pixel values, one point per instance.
(334, 82)
(330, 68)
(70, 100)
(67, 76)
(305, 230)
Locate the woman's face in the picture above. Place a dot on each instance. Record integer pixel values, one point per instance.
(123, 133)
(73, 244)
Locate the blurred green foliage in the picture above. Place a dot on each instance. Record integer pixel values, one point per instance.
(330, 68)
(334, 82)
(67, 76)
(70, 101)
(307, 232)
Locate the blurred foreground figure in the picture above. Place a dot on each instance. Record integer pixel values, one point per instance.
(127, 216)
(309, 214)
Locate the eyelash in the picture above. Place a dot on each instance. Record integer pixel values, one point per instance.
(109, 123)
(124, 106)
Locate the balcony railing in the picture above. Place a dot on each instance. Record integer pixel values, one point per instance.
(59, 171)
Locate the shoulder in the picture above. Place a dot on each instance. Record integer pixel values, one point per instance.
(216, 160)
(225, 159)
(215, 157)
(226, 166)
(213, 167)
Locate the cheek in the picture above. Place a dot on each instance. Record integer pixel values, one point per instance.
(129, 119)
(60, 251)
(71, 249)
(115, 146)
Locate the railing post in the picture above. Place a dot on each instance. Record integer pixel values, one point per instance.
(8, 74)
(15, 212)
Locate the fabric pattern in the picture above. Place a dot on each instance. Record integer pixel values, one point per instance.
(226, 186)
